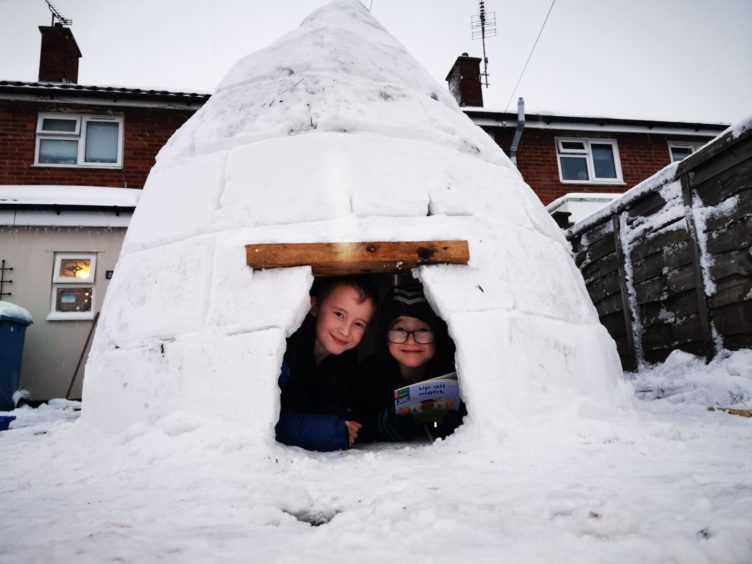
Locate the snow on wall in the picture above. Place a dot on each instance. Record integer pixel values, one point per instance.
(335, 133)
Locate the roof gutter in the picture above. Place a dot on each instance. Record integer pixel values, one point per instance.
(518, 130)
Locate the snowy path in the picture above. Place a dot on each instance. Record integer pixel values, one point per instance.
(674, 486)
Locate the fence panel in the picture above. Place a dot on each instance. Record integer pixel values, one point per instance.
(669, 265)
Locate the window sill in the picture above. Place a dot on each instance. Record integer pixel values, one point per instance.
(79, 166)
(59, 316)
(595, 182)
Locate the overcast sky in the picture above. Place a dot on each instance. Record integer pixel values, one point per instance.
(657, 59)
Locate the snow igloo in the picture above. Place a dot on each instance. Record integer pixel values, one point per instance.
(334, 133)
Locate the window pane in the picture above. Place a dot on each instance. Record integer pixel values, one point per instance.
(101, 142)
(73, 299)
(679, 153)
(58, 151)
(573, 145)
(573, 168)
(55, 124)
(75, 268)
(603, 160)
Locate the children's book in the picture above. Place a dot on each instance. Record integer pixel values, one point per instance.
(430, 399)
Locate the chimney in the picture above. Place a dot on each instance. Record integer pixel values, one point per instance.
(464, 81)
(58, 58)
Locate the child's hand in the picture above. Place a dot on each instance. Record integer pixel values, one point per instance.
(352, 431)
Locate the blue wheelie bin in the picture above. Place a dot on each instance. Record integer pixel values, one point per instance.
(13, 323)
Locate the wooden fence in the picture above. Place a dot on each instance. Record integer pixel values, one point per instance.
(669, 265)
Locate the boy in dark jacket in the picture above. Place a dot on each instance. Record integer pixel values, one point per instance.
(320, 362)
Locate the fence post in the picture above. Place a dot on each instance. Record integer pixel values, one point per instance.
(620, 258)
(702, 300)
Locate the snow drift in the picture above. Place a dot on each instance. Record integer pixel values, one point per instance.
(335, 133)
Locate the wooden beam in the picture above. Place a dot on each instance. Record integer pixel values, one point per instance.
(336, 259)
(739, 412)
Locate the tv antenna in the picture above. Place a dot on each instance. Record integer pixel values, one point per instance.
(483, 25)
(56, 15)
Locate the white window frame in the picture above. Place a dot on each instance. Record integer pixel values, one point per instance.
(79, 135)
(63, 282)
(587, 153)
(691, 145)
(60, 257)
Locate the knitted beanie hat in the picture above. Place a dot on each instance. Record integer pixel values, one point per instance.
(406, 300)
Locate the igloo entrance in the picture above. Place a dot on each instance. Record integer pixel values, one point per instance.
(343, 385)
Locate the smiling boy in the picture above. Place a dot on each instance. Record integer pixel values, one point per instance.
(320, 362)
(412, 345)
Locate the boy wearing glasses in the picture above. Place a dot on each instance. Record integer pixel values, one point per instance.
(412, 345)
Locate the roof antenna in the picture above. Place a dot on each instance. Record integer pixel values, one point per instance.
(483, 26)
(56, 15)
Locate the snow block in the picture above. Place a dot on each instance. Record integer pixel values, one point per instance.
(266, 188)
(168, 194)
(242, 300)
(195, 375)
(160, 292)
(131, 386)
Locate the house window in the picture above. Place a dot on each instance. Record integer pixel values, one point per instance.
(680, 150)
(79, 140)
(588, 161)
(73, 286)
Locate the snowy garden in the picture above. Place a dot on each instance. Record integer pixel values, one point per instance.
(669, 482)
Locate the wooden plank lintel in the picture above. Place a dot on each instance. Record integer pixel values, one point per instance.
(336, 259)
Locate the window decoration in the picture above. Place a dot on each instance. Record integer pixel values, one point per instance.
(588, 161)
(79, 140)
(73, 286)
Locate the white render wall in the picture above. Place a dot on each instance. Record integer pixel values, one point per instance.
(334, 133)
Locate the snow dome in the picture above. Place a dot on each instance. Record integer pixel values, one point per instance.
(334, 133)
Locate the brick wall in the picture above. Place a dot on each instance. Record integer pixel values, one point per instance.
(146, 131)
(641, 156)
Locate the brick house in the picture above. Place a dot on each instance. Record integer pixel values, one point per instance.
(58, 132)
(559, 155)
(73, 159)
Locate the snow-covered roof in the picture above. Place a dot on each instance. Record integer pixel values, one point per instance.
(580, 205)
(581, 197)
(110, 93)
(68, 196)
(553, 120)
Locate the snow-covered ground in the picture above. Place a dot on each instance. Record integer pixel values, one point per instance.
(335, 133)
(672, 485)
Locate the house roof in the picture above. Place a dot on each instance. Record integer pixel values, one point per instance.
(78, 197)
(115, 94)
(484, 117)
(67, 206)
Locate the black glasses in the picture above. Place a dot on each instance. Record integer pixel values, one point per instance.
(400, 336)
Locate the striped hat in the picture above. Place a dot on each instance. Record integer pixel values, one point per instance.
(406, 300)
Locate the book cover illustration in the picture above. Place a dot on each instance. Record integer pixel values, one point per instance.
(429, 399)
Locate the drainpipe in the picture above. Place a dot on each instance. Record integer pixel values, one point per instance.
(518, 130)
